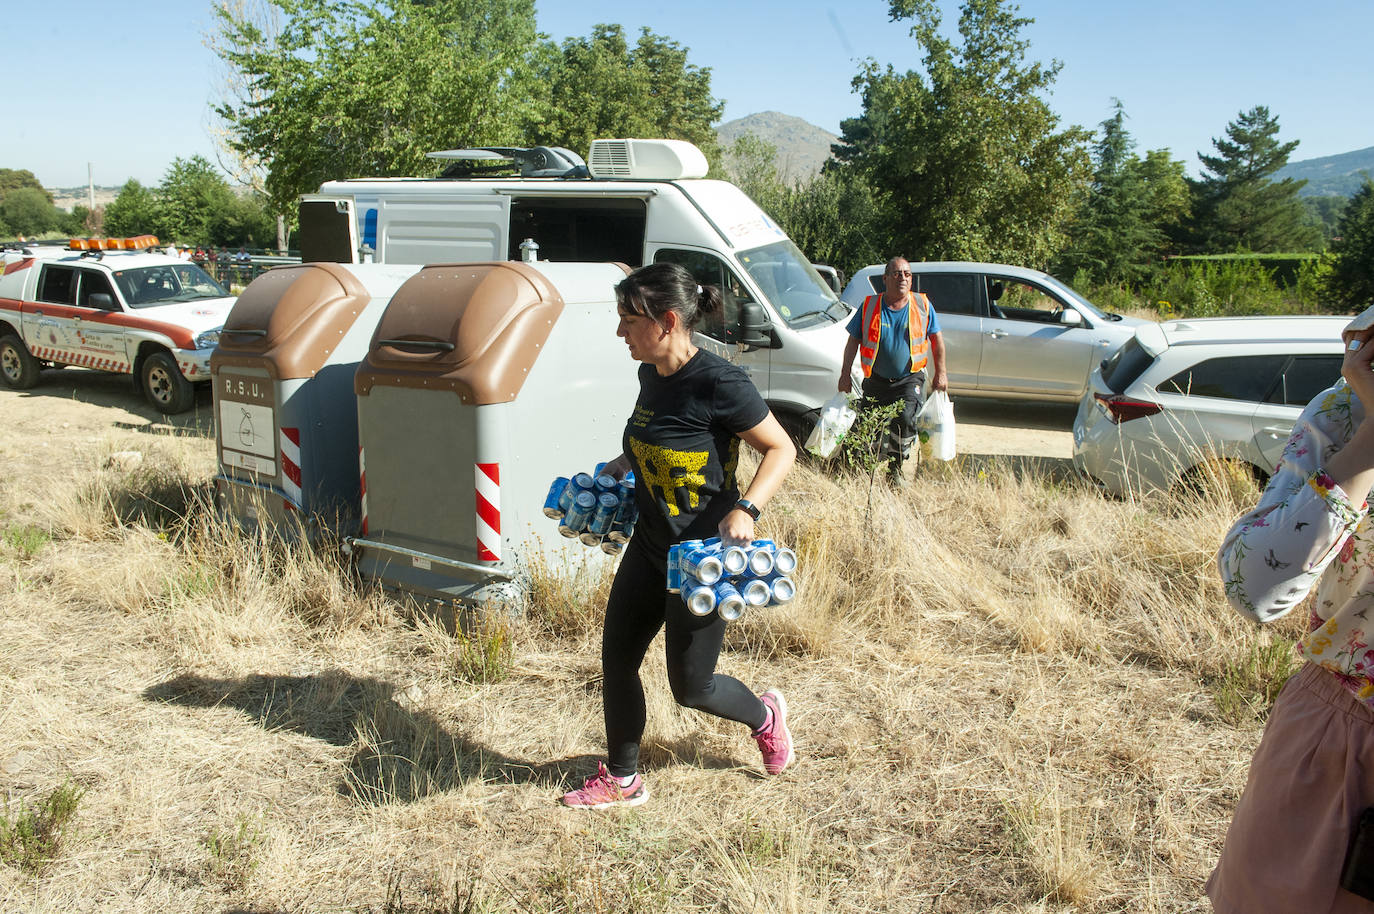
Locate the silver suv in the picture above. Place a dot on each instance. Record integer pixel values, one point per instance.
(1186, 393)
(1009, 332)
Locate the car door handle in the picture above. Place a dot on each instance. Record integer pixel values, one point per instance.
(998, 334)
(1277, 431)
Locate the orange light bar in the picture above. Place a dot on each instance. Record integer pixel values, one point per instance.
(136, 243)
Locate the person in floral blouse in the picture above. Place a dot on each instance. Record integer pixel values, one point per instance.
(1313, 773)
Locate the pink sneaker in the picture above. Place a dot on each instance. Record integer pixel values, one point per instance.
(602, 790)
(775, 741)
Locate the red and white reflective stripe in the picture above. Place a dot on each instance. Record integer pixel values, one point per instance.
(291, 464)
(362, 484)
(488, 512)
(77, 358)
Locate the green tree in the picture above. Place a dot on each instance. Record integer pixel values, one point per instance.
(599, 87)
(349, 88)
(133, 212)
(1351, 280)
(15, 178)
(1120, 229)
(967, 159)
(1238, 205)
(247, 221)
(193, 202)
(29, 211)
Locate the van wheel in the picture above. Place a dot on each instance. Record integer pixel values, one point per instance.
(165, 386)
(17, 366)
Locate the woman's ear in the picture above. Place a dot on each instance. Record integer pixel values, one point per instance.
(670, 321)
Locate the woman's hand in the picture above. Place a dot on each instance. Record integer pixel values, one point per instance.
(1358, 366)
(736, 528)
(617, 467)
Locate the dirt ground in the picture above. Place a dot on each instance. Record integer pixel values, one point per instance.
(75, 406)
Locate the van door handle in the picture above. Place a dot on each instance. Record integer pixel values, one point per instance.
(1277, 431)
(998, 333)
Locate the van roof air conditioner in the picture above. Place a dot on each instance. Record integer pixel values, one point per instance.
(647, 160)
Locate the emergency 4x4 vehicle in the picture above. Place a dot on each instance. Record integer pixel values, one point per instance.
(113, 305)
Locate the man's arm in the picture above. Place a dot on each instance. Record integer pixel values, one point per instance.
(937, 358)
(851, 349)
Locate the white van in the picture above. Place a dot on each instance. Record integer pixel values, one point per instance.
(635, 202)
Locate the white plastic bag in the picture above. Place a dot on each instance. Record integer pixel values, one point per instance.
(935, 421)
(836, 418)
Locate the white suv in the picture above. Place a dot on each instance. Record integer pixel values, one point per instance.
(1185, 393)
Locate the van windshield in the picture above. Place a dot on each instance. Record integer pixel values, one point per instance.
(797, 292)
(146, 287)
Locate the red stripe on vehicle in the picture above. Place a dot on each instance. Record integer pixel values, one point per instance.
(293, 435)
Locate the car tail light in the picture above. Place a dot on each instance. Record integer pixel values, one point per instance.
(1123, 409)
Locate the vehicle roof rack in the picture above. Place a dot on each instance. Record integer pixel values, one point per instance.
(493, 161)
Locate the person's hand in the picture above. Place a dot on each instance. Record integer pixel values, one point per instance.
(941, 382)
(846, 384)
(617, 467)
(1358, 366)
(736, 528)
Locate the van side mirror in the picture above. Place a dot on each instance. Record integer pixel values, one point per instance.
(755, 329)
(1070, 317)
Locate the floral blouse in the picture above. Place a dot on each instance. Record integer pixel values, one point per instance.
(1305, 531)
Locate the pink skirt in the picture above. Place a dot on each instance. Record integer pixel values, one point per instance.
(1311, 777)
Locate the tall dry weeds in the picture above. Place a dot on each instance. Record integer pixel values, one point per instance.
(1004, 691)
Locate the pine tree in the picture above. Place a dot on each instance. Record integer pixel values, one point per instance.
(1352, 275)
(1239, 206)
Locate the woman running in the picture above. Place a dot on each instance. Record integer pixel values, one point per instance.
(682, 442)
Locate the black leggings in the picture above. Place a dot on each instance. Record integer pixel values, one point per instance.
(638, 607)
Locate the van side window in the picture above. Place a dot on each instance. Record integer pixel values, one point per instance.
(1248, 377)
(92, 283)
(58, 285)
(596, 230)
(708, 268)
(1022, 301)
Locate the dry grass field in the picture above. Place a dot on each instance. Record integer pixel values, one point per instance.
(1008, 694)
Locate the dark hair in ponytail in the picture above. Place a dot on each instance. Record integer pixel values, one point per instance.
(654, 290)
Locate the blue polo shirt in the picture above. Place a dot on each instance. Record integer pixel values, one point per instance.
(894, 354)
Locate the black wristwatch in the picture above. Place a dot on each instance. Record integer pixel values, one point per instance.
(748, 507)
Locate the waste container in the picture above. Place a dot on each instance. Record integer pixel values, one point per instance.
(287, 424)
(483, 383)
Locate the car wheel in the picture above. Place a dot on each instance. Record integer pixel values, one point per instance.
(18, 367)
(165, 386)
(1234, 480)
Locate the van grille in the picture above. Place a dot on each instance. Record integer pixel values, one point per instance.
(610, 158)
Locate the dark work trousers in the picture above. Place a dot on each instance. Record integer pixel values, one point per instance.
(638, 607)
(895, 441)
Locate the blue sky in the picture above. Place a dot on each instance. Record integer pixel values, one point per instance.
(127, 87)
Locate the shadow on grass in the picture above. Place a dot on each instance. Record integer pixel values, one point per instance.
(400, 754)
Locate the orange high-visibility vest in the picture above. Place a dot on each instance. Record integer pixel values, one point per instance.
(919, 307)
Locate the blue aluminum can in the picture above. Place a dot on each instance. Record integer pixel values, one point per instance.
(624, 522)
(675, 551)
(600, 521)
(553, 502)
(611, 547)
(783, 588)
(729, 602)
(607, 483)
(761, 554)
(575, 521)
(590, 539)
(700, 599)
(596, 471)
(702, 564)
(585, 482)
(756, 592)
(784, 561)
(734, 559)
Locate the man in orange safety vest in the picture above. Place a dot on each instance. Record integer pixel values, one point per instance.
(897, 338)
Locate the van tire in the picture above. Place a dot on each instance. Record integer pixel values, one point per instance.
(164, 386)
(18, 367)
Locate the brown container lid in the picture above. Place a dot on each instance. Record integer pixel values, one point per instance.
(472, 328)
(290, 319)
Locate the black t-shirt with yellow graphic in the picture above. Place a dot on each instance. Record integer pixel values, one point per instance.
(681, 440)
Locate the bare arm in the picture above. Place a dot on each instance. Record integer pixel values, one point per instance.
(769, 439)
(851, 349)
(1352, 467)
(940, 381)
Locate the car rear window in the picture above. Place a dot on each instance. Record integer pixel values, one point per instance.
(1121, 368)
(1245, 377)
(1307, 376)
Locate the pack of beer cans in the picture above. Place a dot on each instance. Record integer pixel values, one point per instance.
(594, 507)
(727, 579)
